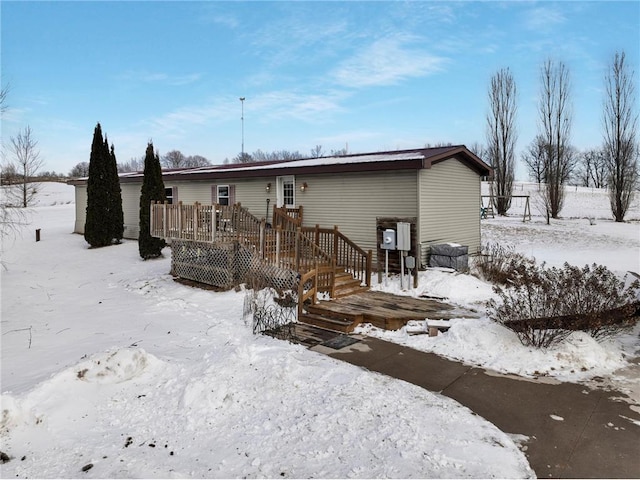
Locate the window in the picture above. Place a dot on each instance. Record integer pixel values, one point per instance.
(223, 195)
(168, 193)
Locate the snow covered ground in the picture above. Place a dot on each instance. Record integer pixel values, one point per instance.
(110, 367)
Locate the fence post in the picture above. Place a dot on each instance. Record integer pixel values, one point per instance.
(214, 222)
(278, 231)
(335, 244)
(164, 220)
(297, 248)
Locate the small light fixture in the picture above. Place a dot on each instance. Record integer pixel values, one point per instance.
(268, 187)
(304, 186)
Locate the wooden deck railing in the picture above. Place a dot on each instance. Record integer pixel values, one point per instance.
(289, 218)
(287, 245)
(204, 223)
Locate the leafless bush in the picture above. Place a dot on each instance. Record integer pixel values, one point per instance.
(544, 305)
(270, 310)
(497, 263)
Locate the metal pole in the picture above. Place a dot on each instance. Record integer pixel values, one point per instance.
(242, 99)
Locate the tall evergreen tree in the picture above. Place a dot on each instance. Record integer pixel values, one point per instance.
(97, 230)
(152, 191)
(116, 215)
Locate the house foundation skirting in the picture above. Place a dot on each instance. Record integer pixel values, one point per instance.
(226, 265)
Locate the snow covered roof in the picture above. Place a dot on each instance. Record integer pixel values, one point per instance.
(374, 161)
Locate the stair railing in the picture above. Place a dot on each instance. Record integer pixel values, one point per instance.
(289, 218)
(319, 276)
(345, 253)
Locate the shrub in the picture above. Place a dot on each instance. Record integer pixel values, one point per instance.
(544, 305)
(498, 263)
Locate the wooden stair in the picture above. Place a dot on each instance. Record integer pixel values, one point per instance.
(338, 322)
(346, 284)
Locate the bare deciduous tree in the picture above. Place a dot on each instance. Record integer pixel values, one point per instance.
(591, 171)
(4, 91)
(197, 161)
(620, 136)
(80, 170)
(27, 163)
(501, 137)
(317, 152)
(555, 130)
(533, 158)
(176, 159)
(478, 149)
(133, 165)
(173, 159)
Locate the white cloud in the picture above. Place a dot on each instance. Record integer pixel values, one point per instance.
(226, 20)
(159, 77)
(387, 61)
(543, 18)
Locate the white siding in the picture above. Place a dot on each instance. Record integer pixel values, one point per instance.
(449, 203)
(352, 201)
(444, 198)
(81, 208)
(131, 209)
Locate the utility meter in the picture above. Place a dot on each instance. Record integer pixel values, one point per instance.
(388, 239)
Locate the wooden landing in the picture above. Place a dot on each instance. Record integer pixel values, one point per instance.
(388, 311)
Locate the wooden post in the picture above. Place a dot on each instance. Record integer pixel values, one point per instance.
(180, 210)
(164, 220)
(196, 221)
(369, 263)
(297, 248)
(527, 210)
(263, 225)
(278, 232)
(214, 223)
(335, 244)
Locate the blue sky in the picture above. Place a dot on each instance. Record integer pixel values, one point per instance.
(370, 75)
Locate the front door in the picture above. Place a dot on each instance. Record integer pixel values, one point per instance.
(286, 195)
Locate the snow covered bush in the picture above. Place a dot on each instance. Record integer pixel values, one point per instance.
(544, 305)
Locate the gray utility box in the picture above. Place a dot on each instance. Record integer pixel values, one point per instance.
(403, 237)
(449, 255)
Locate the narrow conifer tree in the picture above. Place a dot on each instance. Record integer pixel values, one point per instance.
(116, 215)
(152, 191)
(97, 231)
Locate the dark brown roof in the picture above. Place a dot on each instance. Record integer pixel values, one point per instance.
(360, 162)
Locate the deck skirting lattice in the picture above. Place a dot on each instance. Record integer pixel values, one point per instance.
(226, 264)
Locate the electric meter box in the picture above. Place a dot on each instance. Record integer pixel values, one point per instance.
(388, 239)
(403, 240)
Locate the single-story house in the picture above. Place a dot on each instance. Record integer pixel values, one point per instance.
(437, 189)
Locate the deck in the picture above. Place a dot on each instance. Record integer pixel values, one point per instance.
(383, 310)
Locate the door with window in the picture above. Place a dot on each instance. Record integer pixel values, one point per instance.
(286, 195)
